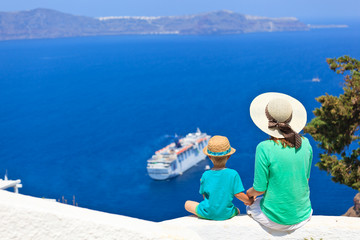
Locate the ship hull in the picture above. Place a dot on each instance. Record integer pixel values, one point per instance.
(182, 166)
(161, 176)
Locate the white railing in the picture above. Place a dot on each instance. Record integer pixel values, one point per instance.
(16, 184)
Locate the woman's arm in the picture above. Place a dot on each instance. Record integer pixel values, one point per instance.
(253, 193)
(262, 171)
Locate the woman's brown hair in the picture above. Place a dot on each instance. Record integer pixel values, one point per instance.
(285, 143)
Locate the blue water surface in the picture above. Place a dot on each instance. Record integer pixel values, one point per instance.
(80, 116)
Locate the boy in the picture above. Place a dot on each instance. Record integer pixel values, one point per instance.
(219, 185)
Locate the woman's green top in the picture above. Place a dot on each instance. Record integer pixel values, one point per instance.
(283, 174)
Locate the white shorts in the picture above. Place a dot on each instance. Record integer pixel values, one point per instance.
(257, 214)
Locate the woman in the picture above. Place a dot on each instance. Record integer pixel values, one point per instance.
(282, 164)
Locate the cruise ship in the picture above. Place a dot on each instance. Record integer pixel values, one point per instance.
(177, 157)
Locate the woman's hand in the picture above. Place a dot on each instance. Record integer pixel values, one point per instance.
(250, 201)
(248, 193)
(251, 192)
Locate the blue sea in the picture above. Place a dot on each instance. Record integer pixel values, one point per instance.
(81, 116)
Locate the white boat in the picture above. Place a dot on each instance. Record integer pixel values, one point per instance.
(315, 79)
(177, 157)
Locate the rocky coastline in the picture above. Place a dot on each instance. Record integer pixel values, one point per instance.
(47, 23)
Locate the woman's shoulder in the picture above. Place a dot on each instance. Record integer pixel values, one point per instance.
(305, 139)
(266, 143)
(270, 143)
(306, 142)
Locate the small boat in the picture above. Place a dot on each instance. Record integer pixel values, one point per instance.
(315, 79)
(177, 157)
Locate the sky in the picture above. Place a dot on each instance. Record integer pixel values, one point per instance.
(302, 9)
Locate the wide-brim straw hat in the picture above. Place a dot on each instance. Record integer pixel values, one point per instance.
(283, 105)
(218, 146)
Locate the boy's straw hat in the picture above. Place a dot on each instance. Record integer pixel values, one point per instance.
(281, 108)
(218, 146)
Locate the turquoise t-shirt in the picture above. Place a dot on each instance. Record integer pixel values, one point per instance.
(219, 188)
(283, 174)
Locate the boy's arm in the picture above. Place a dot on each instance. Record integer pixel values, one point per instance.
(243, 197)
(253, 193)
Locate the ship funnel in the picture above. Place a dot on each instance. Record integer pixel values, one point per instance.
(177, 141)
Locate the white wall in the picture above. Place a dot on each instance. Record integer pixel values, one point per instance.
(25, 217)
(243, 227)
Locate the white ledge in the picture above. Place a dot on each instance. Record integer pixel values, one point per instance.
(25, 217)
(244, 227)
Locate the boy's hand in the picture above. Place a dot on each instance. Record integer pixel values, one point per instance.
(244, 198)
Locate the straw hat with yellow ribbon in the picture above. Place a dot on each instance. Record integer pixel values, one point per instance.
(218, 146)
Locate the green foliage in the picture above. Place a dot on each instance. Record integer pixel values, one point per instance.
(336, 125)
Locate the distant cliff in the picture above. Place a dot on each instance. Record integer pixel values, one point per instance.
(46, 23)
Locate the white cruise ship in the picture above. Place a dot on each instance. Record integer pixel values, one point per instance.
(177, 157)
